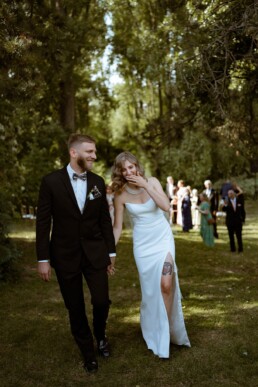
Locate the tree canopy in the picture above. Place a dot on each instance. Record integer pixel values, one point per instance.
(186, 103)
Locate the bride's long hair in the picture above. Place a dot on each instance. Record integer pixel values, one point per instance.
(118, 180)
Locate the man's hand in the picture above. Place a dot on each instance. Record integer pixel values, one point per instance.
(44, 270)
(111, 268)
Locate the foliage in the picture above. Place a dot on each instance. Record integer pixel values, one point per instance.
(188, 67)
(50, 57)
(189, 90)
(9, 183)
(8, 251)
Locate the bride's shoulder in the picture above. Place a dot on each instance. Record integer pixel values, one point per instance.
(120, 197)
(153, 180)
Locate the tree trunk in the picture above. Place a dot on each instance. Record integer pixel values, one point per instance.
(67, 105)
(160, 100)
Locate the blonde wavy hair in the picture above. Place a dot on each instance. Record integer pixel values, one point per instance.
(118, 180)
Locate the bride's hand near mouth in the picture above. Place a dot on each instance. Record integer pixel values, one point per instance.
(137, 180)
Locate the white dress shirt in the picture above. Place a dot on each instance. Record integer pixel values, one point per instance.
(233, 201)
(208, 192)
(79, 188)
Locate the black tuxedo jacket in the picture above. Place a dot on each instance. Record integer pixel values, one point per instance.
(63, 232)
(234, 218)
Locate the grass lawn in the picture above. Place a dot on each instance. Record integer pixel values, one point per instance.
(220, 301)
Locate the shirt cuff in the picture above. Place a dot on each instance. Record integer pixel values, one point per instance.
(44, 260)
(112, 255)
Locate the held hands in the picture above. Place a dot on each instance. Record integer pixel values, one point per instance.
(44, 270)
(111, 267)
(137, 180)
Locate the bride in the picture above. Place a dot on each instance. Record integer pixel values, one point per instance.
(161, 312)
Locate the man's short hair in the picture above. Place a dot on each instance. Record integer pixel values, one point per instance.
(77, 138)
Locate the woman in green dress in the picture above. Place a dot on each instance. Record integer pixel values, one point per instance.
(206, 217)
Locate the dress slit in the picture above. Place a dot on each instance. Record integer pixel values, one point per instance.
(169, 259)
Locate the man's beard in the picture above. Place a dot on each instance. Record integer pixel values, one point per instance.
(82, 163)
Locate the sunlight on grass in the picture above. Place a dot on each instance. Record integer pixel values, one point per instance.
(204, 312)
(128, 314)
(51, 318)
(250, 305)
(23, 229)
(54, 300)
(127, 233)
(132, 318)
(203, 297)
(23, 234)
(229, 279)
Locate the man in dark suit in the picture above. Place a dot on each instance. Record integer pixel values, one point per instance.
(213, 197)
(74, 235)
(235, 216)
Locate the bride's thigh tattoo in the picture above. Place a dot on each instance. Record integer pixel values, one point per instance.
(167, 268)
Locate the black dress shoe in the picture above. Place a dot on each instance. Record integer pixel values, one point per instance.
(103, 348)
(91, 366)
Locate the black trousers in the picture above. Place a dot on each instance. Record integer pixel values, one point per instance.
(232, 230)
(71, 286)
(215, 232)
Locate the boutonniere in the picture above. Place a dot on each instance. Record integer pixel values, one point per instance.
(94, 193)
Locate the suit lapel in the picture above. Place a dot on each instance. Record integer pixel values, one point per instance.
(90, 185)
(66, 180)
(236, 210)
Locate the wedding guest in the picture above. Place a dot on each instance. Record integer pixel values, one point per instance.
(213, 197)
(189, 189)
(173, 203)
(170, 187)
(180, 194)
(186, 211)
(196, 217)
(206, 221)
(226, 186)
(235, 217)
(170, 191)
(240, 195)
(162, 320)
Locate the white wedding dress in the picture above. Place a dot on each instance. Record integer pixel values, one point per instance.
(153, 240)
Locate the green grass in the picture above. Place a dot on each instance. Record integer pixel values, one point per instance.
(220, 301)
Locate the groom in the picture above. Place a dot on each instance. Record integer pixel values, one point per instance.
(74, 235)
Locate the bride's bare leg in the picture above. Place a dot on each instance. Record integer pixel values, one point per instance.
(166, 283)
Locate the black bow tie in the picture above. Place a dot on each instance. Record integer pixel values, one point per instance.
(82, 176)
